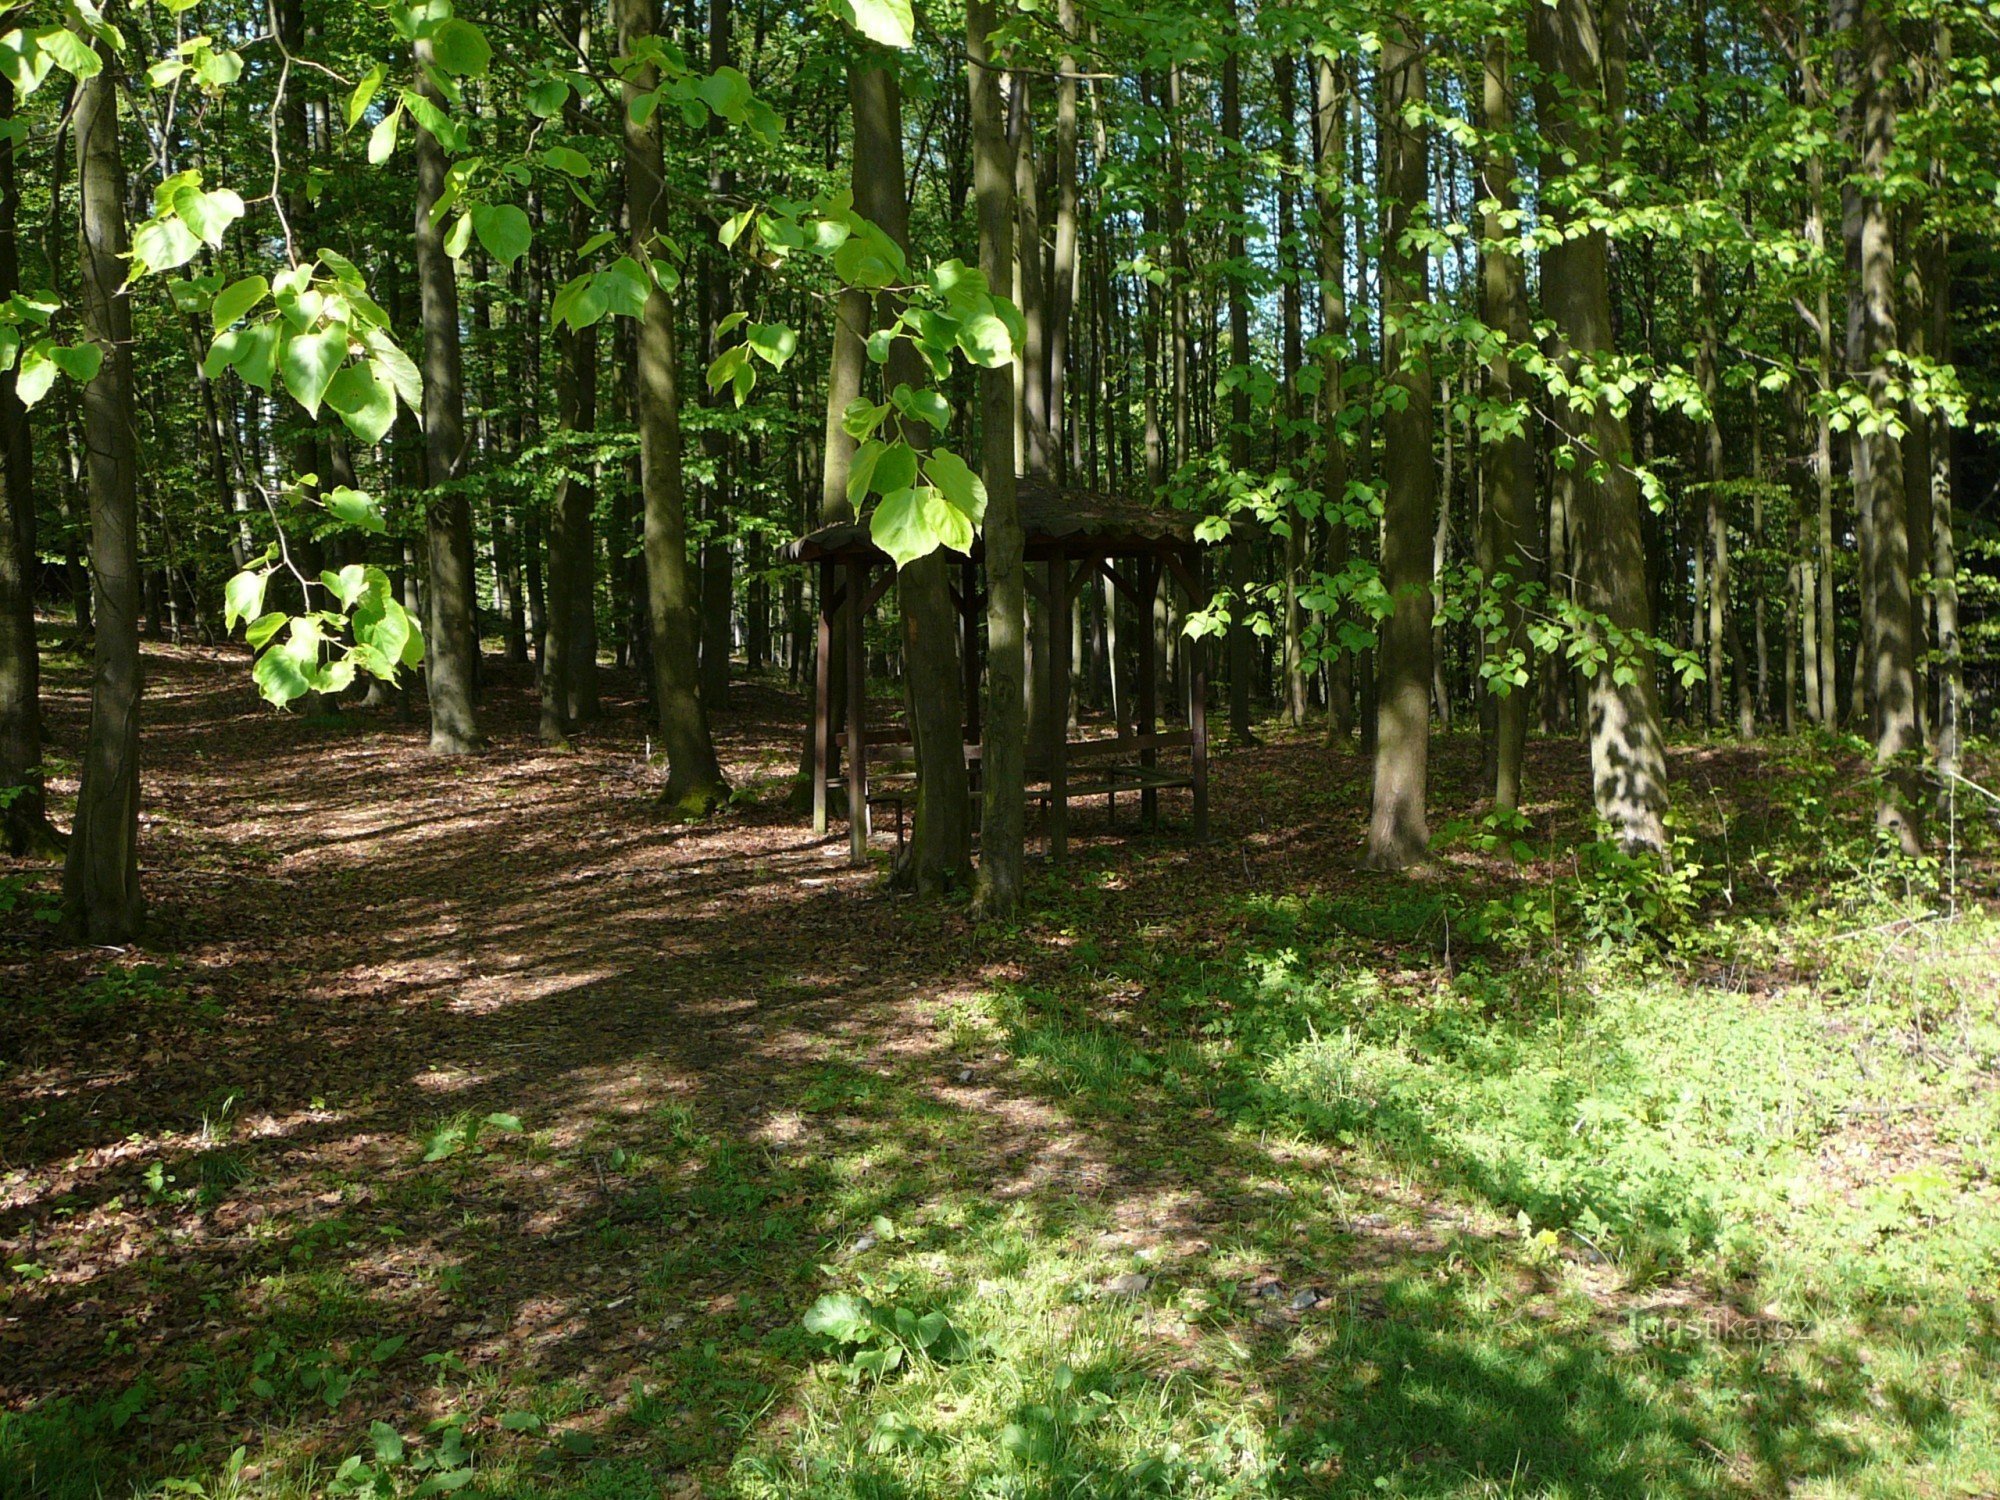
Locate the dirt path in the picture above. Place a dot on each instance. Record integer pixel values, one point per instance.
(352, 941)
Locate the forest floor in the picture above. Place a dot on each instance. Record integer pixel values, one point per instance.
(470, 1123)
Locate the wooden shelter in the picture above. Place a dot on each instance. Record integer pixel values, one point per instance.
(1070, 536)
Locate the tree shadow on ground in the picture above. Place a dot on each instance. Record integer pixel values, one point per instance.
(729, 1054)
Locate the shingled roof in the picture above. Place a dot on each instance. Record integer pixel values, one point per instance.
(1054, 519)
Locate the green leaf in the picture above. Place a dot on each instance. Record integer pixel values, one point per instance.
(726, 92)
(901, 528)
(773, 343)
(580, 302)
(625, 286)
(335, 677)
(503, 229)
(382, 139)
(261, 629)
(861, 470)
(926, 405)
(308, 362)
(219, 67)
(861, 418)
(546, 99)
(279, 677)
(80, 362)
(567, 159)
(388, 1442)
(251, 352)
(459, 239)
(24, 62)
(162, 244)
(208, 215)
(520, 1421)
(445, 1483)
(869, 258)
(236, 299)
(889, 22)
(460, 49)
(37, 374)
(358, 509)
(243, 597)
(895, 470)
(364, 93)
(962, 488)
(395, 368)
(841, 1316)
(365, 403)
(986, 340)
(71, 52)
(950, 525)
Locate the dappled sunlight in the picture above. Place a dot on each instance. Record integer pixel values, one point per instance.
(588, 1108)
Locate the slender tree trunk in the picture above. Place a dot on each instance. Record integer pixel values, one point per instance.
(1876, 455)
(101, 898)
(1037, 455)
(1004, 752)
(1824, 708)
(847, 357)
(1285, 69)
(1935, 267)
(451, 648)
(717, 561)
(1583, 41)
(1330, 141)
(1242, 567)
(1507, 457)
(24, 823)
(694, 777)
(939, 853)
(1724, 617)
(1398, 834)
(1062, 281)
(572, 559)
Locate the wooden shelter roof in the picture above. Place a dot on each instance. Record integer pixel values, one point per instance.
(1054, 519)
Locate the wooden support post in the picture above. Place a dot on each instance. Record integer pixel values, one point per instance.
(857, 712)
(1058, 708)
(969, 647)
(1198, 707)
(823, 700)
(1148, 568)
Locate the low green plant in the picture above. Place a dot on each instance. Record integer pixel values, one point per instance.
(877, 1340)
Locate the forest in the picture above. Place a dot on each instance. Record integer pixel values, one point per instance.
(1005, 748)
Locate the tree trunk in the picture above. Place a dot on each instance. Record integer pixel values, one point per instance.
(24, 822)
(1507, 458)
(1286, 68)
(1583, 42)
(101, 898)
(451, 648)
(1241, 642)
(939, 853)
(1003, 755)
(1062, 264)
(1876, 455)
(1934, 266)
(1398, 835)
(694, 777)
(717, 563)
(1330, 145)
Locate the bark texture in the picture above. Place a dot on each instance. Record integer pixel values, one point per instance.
(101, 898)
